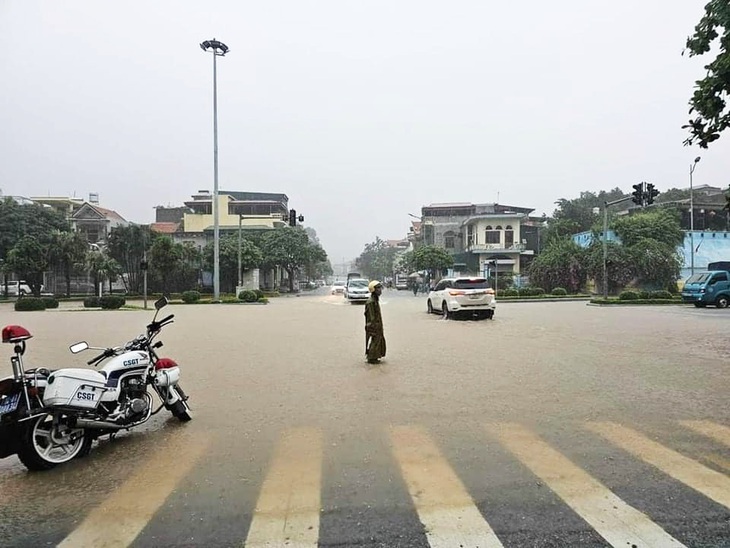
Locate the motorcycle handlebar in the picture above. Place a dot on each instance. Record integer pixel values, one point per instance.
(108, 352)
(154, 326)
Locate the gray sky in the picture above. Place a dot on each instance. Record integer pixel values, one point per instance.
(361, 112)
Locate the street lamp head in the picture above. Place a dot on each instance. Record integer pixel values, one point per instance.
(217, 47)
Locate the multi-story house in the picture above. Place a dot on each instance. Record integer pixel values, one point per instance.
(194, 222)
(477, 234)
(88, 218)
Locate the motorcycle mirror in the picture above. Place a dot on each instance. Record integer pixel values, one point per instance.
(161, 302)
(78, 347)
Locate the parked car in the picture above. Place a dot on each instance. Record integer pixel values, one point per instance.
(356, 290)
(338, 288)
(464, 296)
(17, 288)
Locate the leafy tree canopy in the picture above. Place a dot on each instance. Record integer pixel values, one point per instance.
(657, 224)
(709, 100)
(376, 260)
(432, 258)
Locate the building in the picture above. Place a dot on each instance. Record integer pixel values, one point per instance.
(88, 218)
(476, 234)
(194, 222)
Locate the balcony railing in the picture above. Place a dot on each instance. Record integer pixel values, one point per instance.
(496, 247)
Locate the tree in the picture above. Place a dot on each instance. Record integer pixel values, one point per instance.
(29, 259)
(657, 224)
(28, 220)
(432, 258)
(579, 211)
(251, 257)
(658, 264)
(101, 267)
(287, 247)
(620, 265)
(126, 245)
(66, 251)
(376, 260)
(709, 100)
(561, 264)
(164, 258)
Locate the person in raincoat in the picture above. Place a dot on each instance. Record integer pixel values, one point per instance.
(374, 338)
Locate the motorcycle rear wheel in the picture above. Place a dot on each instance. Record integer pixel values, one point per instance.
(39, 450)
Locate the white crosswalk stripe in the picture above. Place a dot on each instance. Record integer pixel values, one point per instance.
(710, 483)
(123, 515)
(613, 519)
(288, 507)
(444, 507)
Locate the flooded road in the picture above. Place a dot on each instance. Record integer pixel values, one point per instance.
(555, 424)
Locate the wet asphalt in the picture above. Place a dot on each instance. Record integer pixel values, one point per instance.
(256, 373)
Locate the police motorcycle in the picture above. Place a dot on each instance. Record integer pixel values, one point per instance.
(48, 417)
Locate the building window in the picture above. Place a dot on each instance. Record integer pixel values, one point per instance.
(509, 237)
(470, 235)
(492, 236)
(449, 240)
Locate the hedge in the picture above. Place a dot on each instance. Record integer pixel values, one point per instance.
(559, 291)
(29, 303)
(628, 295)
(636, 301)
(92, 302)
(248, 295)
(50, 302)
(190, 297)
(111, 302)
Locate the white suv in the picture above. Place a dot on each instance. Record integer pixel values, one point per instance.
(462, 296)
(356, 290)
(16, 288)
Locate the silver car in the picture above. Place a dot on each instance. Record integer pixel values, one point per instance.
(356, 290)
(462, 297)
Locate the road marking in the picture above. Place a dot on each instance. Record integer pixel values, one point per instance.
(613, 519)
(710, 483)
(446, 510)
(119, 519)
(288, 507)
(710, 429)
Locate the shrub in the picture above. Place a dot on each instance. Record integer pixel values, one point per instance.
(509, 293)
(190, 297)
(91, 302)
(30, 303)
(229, 300)
(248, 296)
(263, 300)
(259, 294)
(628, 295)
(661, 294)
(111, 302)
(643, 295)
(559, 291)
(50, 302)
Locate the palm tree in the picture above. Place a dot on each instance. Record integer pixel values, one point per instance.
(66, 251)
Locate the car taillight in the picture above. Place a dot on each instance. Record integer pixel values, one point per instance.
(455, 293)
(490, 291)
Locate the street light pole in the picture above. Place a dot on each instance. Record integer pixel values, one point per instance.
(240, 274)
(218, 49)
(692, 217)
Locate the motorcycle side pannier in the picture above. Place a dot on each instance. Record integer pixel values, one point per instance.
(79, 388)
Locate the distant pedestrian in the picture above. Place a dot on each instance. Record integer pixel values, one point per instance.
(415, 288)
(374, 338)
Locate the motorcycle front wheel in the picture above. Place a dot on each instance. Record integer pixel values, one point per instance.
(180, 409)
(45, 444)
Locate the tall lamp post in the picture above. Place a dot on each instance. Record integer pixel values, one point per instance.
(218, 49)
(692, 167)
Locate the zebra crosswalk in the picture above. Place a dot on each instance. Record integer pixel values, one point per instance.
(294, 497)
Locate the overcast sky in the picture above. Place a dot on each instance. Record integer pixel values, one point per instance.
(361, 112)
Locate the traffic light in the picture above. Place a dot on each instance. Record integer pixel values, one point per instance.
(292, 217)
(651, 193)
(637, 196)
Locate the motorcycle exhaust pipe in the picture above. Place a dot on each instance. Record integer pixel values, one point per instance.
(85, 423)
